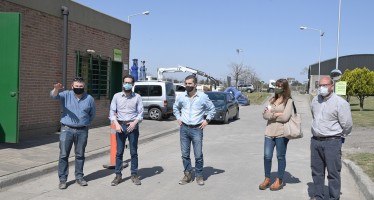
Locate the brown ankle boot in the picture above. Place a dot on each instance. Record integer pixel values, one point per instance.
(264, 184)
(277, 185)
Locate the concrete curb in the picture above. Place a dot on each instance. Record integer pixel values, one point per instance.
(363, 182)
(37, 171)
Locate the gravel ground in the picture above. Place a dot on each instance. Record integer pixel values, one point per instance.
(361, 140)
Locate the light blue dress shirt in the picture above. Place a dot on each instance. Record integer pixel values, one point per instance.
(76, 113)
(191, 110)
(127, 108)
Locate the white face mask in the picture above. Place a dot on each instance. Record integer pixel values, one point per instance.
(323, 91)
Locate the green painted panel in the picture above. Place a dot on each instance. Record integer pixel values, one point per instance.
(9, 76)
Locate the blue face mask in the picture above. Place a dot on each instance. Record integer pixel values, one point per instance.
(127, 87)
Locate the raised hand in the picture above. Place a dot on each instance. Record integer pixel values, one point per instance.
(58, 86)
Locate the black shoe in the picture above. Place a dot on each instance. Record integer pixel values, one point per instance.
(62, 185)
(117, 180)
(82, 182)
(135, 179)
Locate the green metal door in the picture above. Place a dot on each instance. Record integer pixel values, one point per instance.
(9, 81)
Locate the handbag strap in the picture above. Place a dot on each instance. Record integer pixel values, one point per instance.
(293, 104)
(294, 107)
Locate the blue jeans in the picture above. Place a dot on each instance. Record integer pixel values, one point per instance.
(326, 154)
(68, 137)
(133, 142)
(281, 146)
(194, 135)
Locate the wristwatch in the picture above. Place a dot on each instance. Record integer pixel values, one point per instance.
(207, 120)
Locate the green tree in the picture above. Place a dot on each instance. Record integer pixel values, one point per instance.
(296, 83)
(360, 83)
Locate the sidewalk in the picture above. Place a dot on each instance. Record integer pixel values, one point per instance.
(38, 156)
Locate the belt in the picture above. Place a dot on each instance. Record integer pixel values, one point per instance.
(123, 122)
(73, 127)
(327, 138)
(191, 126)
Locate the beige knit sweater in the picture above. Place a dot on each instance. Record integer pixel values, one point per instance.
(274, 126)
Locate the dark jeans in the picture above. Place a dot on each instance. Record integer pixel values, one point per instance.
(326, 154)
(133, 142)
(194, 135)
(68, 137)
(281, 146)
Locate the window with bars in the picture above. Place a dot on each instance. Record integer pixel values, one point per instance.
(95, 70)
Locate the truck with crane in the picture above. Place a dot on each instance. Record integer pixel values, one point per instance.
(161, 71)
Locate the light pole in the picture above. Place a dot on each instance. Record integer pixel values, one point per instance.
(337, 45)
(142, 13)
(238, 51)
(239, 65)
(321, 33)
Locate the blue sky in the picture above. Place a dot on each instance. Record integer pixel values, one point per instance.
(204, 34)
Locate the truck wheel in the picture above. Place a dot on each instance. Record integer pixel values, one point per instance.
(271, 90)
(155, 114)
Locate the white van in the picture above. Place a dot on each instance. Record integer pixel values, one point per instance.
(158, 98)
(179, 88)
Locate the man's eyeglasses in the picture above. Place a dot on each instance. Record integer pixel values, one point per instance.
(324, 85)
(79, 79)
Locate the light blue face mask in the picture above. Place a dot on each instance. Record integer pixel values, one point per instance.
(127, 86)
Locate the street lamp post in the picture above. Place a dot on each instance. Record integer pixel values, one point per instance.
(238, 51)
(337, 45)
(321, 33)
(142, 13)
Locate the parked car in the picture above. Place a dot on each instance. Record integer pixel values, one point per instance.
(247, 88)
(158, 98)
(226, 105)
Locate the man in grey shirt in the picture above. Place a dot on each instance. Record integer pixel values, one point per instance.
(126, 112)
(332, 122)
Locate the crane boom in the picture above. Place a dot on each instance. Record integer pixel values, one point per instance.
(161, 71)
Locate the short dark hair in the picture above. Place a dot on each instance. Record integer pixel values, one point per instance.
(128, 76)
(193, 77)
(78, 79)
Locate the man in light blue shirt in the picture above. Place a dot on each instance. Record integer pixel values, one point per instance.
(126, 112)
(189, 109)
(78, 112)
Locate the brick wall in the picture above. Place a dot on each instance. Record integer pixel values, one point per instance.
(41, 65)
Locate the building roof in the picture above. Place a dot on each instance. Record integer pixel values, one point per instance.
(345, 62)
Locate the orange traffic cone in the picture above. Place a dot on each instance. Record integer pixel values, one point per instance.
(113, 149)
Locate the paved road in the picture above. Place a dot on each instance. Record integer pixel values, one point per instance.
(233, 169)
